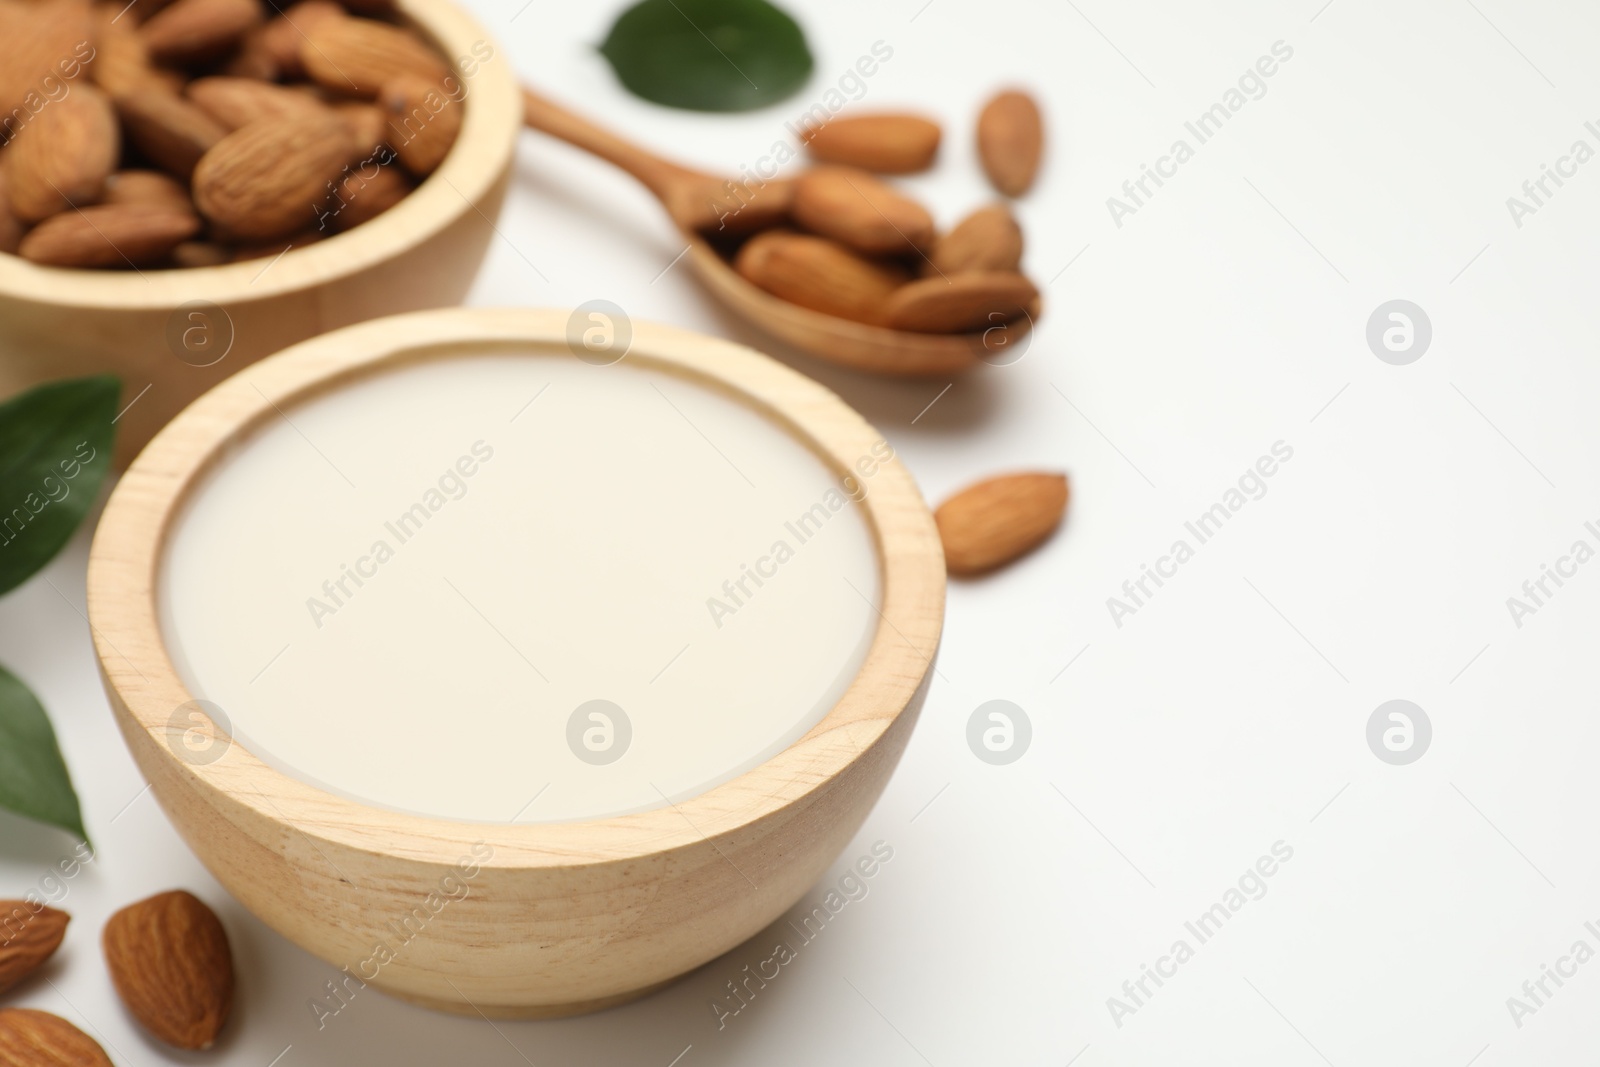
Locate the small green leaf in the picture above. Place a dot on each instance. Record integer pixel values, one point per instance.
(55, 449)
(33, 777)
(708, 55)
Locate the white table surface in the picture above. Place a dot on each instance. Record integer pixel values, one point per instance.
(1229, 713)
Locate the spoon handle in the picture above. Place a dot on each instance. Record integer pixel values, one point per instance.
(663, 178)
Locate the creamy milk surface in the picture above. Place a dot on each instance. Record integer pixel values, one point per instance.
(512, 586)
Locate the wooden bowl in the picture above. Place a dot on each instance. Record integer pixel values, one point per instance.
(562, 917)
(155, 328)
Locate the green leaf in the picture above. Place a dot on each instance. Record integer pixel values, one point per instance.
(708, 55)
(55, 449)
(33, 777)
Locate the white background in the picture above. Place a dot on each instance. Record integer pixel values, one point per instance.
(1229, 713)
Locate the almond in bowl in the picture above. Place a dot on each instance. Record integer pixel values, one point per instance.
(184, 194)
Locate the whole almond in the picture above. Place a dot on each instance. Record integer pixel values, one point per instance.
(357, 56)
(170, 963)
(108, 235)
(31, 1038)
(282, 37)
(987, 239)
(28, 937)
(150, 188)
(236, 102)
(886, 143)
(860, 211)
(367, 191)
(170, 130)
(191, 31)
(998, 520)
(46, 42)
(960, 303)
(1010, 141)
(816, 273)
(63, 157)
(122, 63)
(424, 122)
(267, 179)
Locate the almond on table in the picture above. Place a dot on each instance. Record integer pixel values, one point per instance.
(1000, 519)
(1011, 141)
(32, 937)
(171, 964)
(39, 1039)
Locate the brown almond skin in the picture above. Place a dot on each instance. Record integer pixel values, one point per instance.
(988, 239)
(28, 937)
(108, 235)
(273, 249)
(252, 59)
(1011, 141)
(64, 155)
(122, 62)
(861, 212)
(423, 120)
(40, 41)
(998, 520)
(281, 37)
(819, 274)
(267, 179)
(888, 143)
(31, 1038)
(192, 31)
(369, 125)
(366, 192)
(173, 132)
(148, 187)
(357, 56)
(960, 303)
(722, 206)
(236, 102)
(170, 963)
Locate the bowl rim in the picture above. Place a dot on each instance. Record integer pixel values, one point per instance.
(490, 122)
(147, 694)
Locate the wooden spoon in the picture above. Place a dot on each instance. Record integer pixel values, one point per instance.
(698, 202)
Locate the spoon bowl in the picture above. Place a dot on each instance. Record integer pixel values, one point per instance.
(698, 202)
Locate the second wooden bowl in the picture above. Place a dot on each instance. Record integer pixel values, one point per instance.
(172, 334)
(562, 917)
